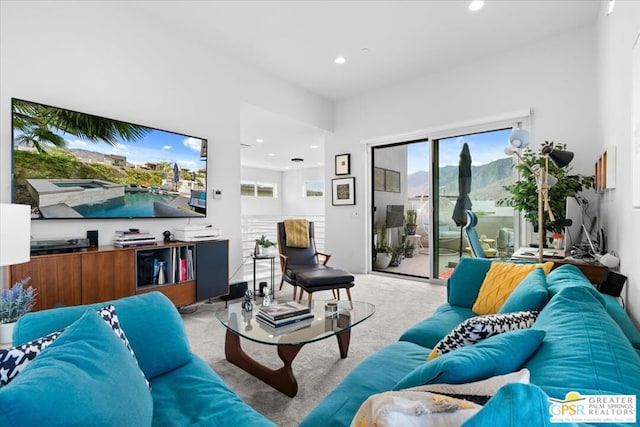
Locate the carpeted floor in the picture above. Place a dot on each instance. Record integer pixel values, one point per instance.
(318, 368)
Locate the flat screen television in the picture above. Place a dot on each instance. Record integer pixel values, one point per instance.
(395, 216)
(72, 165)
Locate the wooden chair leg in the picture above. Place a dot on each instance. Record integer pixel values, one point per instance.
(309, 298)
(349, 293)
(337, 292)
(333, 291)
(281, 283)
(295, 291)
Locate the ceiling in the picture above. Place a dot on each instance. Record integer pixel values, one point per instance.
(384, 42)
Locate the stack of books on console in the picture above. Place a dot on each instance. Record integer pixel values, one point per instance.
(128, 238)
(284, 314)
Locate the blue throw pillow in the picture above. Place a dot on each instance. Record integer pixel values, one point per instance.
(530, 295)
(497, 355)
(86, 377)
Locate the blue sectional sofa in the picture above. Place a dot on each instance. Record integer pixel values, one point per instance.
(185, 391)
(589, 346)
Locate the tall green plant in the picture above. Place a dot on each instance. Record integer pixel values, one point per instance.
(524, 192)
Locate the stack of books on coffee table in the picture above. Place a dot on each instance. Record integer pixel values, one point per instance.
(284, 314)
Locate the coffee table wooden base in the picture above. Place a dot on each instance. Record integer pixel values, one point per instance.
(281, 379)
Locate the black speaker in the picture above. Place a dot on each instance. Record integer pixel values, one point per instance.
(92, 235)
(145, 268)
(612, 283)
(236, 290)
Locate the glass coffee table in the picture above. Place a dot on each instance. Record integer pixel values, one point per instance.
(289, 340)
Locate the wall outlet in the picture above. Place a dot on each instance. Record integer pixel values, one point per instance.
(217, 194)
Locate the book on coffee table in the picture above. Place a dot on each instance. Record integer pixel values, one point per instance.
(283, 310)
(284, 322)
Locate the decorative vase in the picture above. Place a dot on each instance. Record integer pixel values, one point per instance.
(6, 332)
(411, 229)
(162, 274)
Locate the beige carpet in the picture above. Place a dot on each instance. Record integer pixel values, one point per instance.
(318, 368)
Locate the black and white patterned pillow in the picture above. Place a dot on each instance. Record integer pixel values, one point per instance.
(14, 360)
(478, 328)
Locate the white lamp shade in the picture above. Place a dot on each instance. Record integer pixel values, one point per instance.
(15, 233)
(519, 138)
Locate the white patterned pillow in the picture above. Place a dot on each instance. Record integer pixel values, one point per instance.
(14, 360)
(478, 328)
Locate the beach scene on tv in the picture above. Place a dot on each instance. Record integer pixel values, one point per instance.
(68, 164)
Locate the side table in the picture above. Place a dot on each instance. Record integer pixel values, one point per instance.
(271, 258)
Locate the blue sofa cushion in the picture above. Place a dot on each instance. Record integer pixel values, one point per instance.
(568, 276)
(430, 331)
(530, 295)
(195, 395)
(497, 355)
(515, 405)
(374, 374)
(138, 315)
(86, 377)
(584, 350)
(465, 281)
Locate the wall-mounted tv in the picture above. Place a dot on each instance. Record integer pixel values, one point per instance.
(71, 165)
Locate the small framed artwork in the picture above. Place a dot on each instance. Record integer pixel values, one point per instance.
(343, 191)
(343, 164)
(392, 181)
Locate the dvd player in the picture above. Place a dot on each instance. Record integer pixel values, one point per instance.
(58, 245)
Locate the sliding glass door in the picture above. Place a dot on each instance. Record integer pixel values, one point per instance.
(438, 180)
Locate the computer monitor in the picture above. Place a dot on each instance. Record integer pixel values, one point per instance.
(573, 232)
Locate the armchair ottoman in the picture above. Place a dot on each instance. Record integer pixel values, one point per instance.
(323, 279)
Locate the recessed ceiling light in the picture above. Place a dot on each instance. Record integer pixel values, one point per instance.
(270, 154)
(476, 5)
(340, 60)
(259, 140)
(314, 146)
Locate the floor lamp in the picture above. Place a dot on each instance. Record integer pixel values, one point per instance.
(15, 236)
(518, 140)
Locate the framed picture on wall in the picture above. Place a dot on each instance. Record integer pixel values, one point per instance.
(343, 164)
(343, 191)
(392, 181)
(378, 179)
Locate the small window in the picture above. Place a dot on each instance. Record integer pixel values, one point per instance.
(313, 189)
(257, 189)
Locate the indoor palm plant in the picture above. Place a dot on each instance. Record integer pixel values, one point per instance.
(524, 192)
(261, 244)
(14, 303)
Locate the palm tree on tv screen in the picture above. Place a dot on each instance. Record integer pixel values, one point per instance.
(37, 123)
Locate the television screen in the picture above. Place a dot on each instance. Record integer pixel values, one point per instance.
(395, 216)
(68, 164)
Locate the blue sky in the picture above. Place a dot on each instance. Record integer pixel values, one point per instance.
(484, 147)
(156, 146)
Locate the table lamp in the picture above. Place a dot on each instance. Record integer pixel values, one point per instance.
(15, 235)
(518, 140)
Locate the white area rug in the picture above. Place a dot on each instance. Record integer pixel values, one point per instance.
(318, 368)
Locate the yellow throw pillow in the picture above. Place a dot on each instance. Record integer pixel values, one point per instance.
(501, 279)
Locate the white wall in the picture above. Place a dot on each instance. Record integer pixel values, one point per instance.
(616, 35)
(108, 59)
(293, 202)
(555, 77)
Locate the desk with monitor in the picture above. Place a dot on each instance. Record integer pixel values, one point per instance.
(590, 267)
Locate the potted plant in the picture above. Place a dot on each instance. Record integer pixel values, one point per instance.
(408, 250)
(14, 303)
(524, 193)
(382, 250)
(261, 244)
(411, 219)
